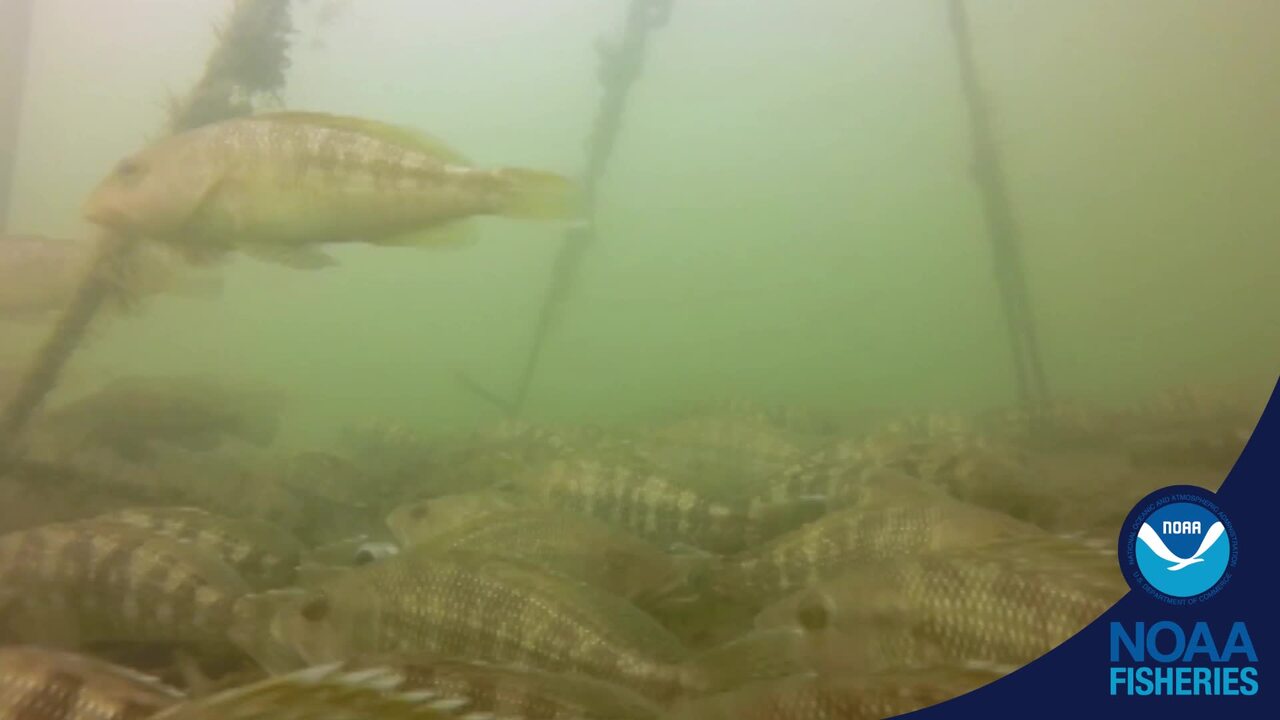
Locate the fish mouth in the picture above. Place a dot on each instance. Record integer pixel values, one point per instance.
(104, 214)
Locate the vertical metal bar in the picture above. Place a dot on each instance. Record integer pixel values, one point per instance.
(988, 170)
(15, 39)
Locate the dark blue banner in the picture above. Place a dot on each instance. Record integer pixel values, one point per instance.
(1194, 635)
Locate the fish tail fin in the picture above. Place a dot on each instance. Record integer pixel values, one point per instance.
(537, 195)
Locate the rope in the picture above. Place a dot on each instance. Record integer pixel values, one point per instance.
(249, 61)
(1033, 387)
(620, 66)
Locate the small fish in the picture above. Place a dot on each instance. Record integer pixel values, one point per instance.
(560, 543)
(39, 275)
(815, 697)
(98, 581)
(42, 684)
(279, 185)
(476, 608)
(1000, 605)
(888, 523)
(264, 555)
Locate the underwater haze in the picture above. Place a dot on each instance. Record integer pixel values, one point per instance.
(790, 215)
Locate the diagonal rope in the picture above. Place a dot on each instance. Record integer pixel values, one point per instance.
(620, 66)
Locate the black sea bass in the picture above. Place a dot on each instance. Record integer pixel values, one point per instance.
(278, 185)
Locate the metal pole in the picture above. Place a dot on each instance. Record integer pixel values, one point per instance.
(15, 38)
(1033, 388)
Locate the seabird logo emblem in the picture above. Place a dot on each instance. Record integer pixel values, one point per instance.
(1178, 545)
(1149, 536)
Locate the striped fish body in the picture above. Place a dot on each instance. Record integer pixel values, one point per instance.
(41, 684)
(1003, 604)
(483, 609)
(888, 526)
(264, 555)
(290, 180)
(285, 179)
(563, 544)
(723, 455)
(97, 581)
(644, 504)
(512, 692)
(841, 478)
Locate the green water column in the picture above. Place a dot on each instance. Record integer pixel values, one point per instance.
(15, 35)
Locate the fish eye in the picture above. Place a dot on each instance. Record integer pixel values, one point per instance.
(316, 610)
(812, 615)
(364, 556)
(419, 512)
(129, 168)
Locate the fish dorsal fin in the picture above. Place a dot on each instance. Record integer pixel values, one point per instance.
(390, 133)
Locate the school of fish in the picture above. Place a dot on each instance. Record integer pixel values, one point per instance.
(661, 572)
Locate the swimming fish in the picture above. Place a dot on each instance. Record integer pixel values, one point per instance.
(279, 185)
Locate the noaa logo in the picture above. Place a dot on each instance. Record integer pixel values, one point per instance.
(1178, 546)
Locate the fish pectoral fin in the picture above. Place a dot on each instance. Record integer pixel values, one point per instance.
(298, 257)
(457, 234)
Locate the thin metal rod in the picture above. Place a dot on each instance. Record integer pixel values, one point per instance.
(1033, 386)
(15, 40)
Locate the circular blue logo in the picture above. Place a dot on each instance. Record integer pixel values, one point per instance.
(1178, 546)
